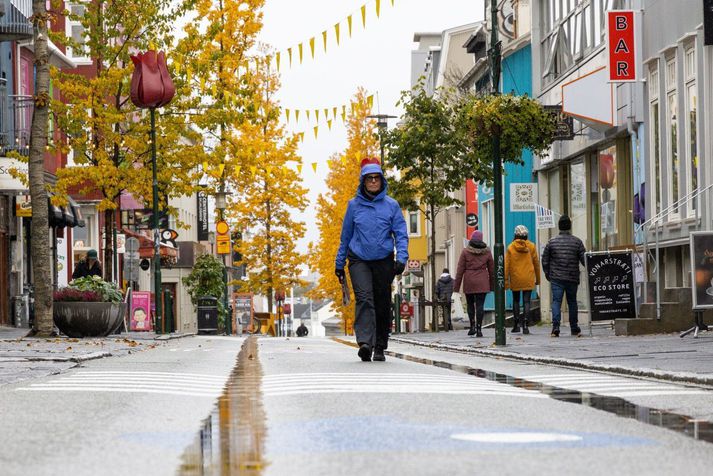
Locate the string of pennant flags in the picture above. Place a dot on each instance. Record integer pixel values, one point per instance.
(297, 52)
(253, 169)
(341, 110)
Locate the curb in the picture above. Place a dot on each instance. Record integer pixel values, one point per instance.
(173, 336)
(77, 359)
(577, 364)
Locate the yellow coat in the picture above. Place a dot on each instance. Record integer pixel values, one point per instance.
(522, 266)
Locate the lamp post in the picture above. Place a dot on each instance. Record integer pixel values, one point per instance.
(382, 123)
(221, 205)
(498, 186)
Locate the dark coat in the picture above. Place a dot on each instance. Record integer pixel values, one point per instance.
(561, 258)
(444, 288)
(302, 330)
(82, 269)
(475, 269)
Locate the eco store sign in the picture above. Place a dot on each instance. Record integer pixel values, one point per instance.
(7, 181)
(611, 285)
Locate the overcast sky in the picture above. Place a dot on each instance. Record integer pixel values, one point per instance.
(377, 58)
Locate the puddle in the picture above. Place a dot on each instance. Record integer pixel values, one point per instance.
(689, 426)
(232, 439)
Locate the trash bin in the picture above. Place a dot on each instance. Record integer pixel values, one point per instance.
(207, 315)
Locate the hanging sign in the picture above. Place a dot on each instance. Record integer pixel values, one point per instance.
(610, 276)
(202, 217)
(545, 217)
(564, 129)
(621, 38)
(471, 207)
(523, 197)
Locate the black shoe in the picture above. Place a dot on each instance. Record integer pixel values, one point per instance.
(471, 332)
(555, 331)
(477, 332)
(525, 329)
(365, 352)
(576, 331)
(379, 355)
(515, 329)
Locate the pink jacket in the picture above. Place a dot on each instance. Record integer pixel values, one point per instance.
(475, 270)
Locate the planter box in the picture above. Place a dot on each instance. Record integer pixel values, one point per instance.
(88, 319)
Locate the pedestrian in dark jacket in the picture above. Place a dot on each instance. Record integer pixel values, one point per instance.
(560, 262)
(89, 266)
(444, 291)
(302, 330)
(373, 225)
(475, 272)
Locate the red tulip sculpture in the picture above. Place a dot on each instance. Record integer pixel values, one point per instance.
(151, 84)
(606, 171)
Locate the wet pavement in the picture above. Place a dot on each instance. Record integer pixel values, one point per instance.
(661, 356)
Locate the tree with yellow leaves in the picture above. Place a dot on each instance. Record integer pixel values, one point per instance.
(106, 134)
(267, 194)
(342, 182)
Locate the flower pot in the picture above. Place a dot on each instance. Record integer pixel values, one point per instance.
(88, 319)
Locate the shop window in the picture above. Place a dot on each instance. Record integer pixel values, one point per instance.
(608, 196)
(578, 199)
(691, 123)
(672, 126)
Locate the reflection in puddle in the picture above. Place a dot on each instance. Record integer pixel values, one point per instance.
(231, 440)
(700, 430)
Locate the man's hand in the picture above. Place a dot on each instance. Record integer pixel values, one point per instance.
(340, 275)
(399, 267)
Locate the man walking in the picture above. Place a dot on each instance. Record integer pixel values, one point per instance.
(560, 262)
(444, 291)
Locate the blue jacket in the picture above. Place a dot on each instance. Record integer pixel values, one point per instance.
(371, 228)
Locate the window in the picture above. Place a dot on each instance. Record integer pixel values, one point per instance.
(654, 121)
(414, 223)
(691, 122)
(608, 196)
(75, 30)
(672, 128)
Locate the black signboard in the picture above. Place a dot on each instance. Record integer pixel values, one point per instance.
(565, 123)
(610, 277)
(471, 219)
(202, 216)
(708, 22)
(702, 266)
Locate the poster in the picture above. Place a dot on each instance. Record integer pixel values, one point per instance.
(523, 197)
(242, 309)
(62, 262)
(140, 311)
(610, 277)
(203, 216)
(702, 266)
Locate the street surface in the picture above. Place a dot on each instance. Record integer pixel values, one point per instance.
(310, 407)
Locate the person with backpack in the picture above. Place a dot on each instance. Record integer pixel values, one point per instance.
(522, 274)
(444, 292)
(475, 273)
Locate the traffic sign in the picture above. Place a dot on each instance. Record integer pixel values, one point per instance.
(222, 244)
(132, 244)
(413, 265)
(406, 309)
(222, 228)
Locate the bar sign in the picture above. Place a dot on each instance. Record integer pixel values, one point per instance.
(621, 45)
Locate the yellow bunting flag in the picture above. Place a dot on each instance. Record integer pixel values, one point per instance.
(307, 112)
(329, 124)
(302, 136)
(370, 101)
(221, 167)
(297, 115)
(289, 52)
(326, 113)
(300, 49)
(344, 117)
(311, 46)
(316, 131)
(277, 59)
(334, 112)
(349, 22)
(314, 167)
(344, 109)
(287, 114)
(378, 8)
(392, 3)
(336, 32)
(299, 168)
(316, 114)
(324, 40)
(363, 16)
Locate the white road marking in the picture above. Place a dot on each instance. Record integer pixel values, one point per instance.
(516, 437)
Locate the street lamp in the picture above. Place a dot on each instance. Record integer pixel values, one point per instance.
(382, 122)
(221, 205)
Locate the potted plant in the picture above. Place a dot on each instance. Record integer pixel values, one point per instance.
(88, 307)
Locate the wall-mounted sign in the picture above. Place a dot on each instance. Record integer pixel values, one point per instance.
(471, 207)
(7, 181)
(23, 206)
(523, 197)
(621, 45)
(610, 276)
(203, 218)
(565, 123)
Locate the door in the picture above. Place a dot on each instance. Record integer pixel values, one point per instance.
(169, 306)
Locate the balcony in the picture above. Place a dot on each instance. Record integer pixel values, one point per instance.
(14, 20)
(15, 121)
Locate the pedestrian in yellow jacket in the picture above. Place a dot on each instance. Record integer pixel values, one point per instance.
(522, 274)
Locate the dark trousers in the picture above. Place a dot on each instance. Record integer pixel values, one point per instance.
(526, 295)
(559, 289)
(371, 281)
(475, 304)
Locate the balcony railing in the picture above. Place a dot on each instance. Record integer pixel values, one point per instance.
(14, 20)
(15, 121)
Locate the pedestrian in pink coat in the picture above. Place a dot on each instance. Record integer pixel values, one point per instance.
(475, 272)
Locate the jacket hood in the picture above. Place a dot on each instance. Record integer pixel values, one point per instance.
(477, 248)
(520, 246)
(445, 278)
(367, 170)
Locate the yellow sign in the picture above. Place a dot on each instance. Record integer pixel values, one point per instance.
(222, 228)
(23, 206)
(222, 244)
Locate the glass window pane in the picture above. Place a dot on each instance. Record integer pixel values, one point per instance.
(656, 144)
(673, 149)
(691, 97)
(607, 193)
